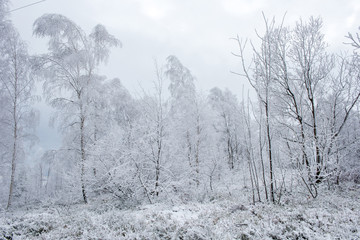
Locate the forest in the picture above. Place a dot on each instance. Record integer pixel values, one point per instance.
(278, 161)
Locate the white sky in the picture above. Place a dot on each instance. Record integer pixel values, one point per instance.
(198, 32)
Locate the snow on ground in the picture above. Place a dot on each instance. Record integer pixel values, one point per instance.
(335, 214)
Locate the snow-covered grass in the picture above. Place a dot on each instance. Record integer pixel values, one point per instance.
(335, 214)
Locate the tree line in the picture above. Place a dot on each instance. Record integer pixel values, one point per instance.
(174, 143)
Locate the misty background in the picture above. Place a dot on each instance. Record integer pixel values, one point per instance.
(198, 32)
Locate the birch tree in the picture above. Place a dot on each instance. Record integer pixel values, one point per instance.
(226, 106)
(262, 79)
(152, 142)
(313, 66)
(186, 122)
(70, 66)
(16, 89)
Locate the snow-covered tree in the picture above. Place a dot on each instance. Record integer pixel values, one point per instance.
(261, 77)
(228, 121)
(17, 117)
(188, 134)
(70, 66)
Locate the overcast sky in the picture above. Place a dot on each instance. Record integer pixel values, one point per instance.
(198, 32)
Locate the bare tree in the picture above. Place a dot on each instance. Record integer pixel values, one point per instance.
(262, 81)
(313, 66)
(158, 121)
(17, 88)
(313, 117)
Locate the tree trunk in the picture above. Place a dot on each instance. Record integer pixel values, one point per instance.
(157, 167)
(261, 155)
(197, 153)
(13, 166)
(83, 157)
(317, 149)
(272, 197)
(14, 150)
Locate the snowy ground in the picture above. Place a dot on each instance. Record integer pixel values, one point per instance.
(335, 214)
